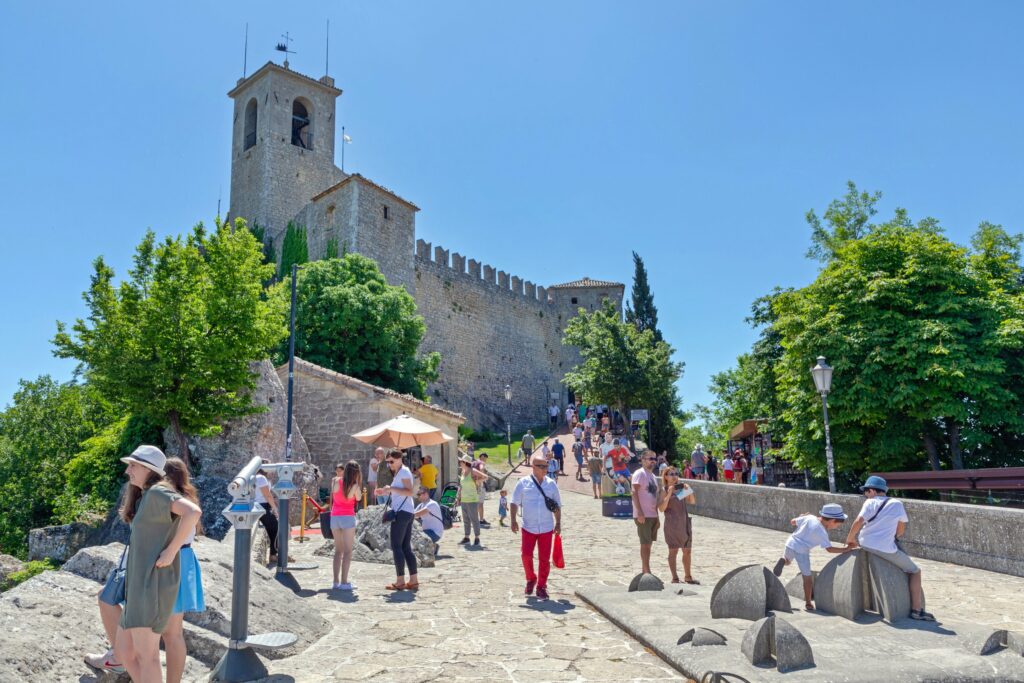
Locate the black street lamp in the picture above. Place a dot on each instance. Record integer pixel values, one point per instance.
(508, 420)
(822, 373)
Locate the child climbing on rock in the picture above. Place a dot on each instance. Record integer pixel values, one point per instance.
(811, 532)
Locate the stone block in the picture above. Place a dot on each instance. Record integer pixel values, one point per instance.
(458, 263)
(757, 642)
(489, 273)
(59, 543)
(748, 592)
(775, 641)
(441, 255)
(502, 279)
(699, 637)
(646, 582)
(890, 588)
(531, 290)
(474, 268)
(795, 586)
(8, 565)
(840, 587)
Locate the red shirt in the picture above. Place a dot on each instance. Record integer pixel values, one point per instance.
(620, 459)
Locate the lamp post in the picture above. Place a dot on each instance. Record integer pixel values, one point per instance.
(822, 373)
(508, 420)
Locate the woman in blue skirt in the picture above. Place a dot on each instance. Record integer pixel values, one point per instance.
(190, 589)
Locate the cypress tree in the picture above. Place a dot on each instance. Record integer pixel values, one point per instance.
(642, 311)
(332, 248)
(293, 249)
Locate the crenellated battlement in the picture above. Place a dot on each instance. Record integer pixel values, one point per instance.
(475, 272)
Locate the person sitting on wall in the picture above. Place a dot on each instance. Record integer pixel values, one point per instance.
(882, 521)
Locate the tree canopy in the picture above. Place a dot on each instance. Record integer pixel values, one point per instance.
(173, 343)
(349, 319)
(621, 365)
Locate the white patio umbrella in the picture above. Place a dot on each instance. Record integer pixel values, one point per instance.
(402, 432)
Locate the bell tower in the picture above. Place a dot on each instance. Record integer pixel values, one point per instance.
(282, 145)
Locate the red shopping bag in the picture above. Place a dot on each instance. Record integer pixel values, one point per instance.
(557, 558)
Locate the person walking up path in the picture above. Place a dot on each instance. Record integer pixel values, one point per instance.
(538, 498)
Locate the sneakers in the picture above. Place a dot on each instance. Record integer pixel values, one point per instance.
(542, 593)
(777, 569)
(346, 587)
(464, 541)
(476, 542)
(102, 662)
(485, 524)
(529, 587)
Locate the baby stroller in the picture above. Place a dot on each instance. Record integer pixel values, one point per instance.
(449, 513)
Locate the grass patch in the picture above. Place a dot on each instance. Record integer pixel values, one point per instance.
(497, 449)
(31, 569)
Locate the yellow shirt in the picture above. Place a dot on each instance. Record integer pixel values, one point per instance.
(428, 476)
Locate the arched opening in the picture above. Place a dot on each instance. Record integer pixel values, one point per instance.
(302, 124)
(250, 125)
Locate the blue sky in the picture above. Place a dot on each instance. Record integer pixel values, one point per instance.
(549, 139)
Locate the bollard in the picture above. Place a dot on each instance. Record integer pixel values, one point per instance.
(302, 520)
(240, 662)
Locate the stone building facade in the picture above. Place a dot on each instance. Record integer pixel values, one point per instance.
(330, 407)
(492, 328)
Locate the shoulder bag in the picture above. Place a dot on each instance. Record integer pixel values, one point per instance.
(551, 505)
(113, 591)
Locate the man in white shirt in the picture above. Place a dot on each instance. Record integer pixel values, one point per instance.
(881, 521)
(540, 524)
(553, 413)
(430, 516)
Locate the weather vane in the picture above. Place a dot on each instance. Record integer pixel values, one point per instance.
(284, 47)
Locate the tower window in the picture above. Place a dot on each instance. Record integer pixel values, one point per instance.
(386, 215)
(302, 127)
(575, 300)
(250, 125)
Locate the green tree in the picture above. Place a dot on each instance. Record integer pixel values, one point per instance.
(918, 354)
(641, 311)
(621, 366)
(331, 250)
(350, 320)
(293, 249)
(40, 432)
(844, 220)
(173, 343)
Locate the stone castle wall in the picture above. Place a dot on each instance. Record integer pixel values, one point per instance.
(491, 329)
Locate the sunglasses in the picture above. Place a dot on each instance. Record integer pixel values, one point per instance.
(671, 474)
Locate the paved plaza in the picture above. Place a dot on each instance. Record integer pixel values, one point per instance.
(470, 621)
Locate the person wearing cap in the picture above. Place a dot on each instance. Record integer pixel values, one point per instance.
(880, 523)
(811, 532)
(540, 522)
(161, 522)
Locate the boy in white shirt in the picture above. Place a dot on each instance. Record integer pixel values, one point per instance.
(881, 521)
(811, 532)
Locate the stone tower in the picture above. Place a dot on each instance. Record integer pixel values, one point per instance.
(282, 146)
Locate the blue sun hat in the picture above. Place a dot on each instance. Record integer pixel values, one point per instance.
(875, 482)
(833, 511)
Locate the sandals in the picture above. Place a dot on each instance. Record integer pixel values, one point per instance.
(675, 579)
(395, 587)
(692, 581)
(412, 586)
(921, 615)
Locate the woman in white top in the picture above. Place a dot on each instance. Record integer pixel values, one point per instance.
(401, 492)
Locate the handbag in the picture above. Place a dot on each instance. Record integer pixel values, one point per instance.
(113, 591)
(325, 524)
(389, 514)
(557, 557)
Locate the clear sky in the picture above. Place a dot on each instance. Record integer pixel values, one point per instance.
(547, 138)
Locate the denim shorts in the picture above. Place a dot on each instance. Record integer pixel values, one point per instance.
(803, 560)
(343, 521)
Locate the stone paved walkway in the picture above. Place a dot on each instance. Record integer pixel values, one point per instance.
(470, 621)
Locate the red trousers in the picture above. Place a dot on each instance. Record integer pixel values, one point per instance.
(543, 543)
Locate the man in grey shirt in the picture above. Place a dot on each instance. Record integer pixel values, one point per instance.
(698, 462)
(528, 442)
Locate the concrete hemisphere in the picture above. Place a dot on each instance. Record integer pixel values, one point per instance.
(839, 588)
(791, 649)
(776, 597)
(890, 588)
(700, 636)
(795, 586)
(646, 582)
(740, 594)
(757, 642)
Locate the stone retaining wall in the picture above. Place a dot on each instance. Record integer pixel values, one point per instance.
(970, 535)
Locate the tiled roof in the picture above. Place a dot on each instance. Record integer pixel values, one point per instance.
(337, 377)
(586, 282)
(356, 176)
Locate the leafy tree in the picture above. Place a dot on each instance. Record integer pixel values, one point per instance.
(642, 311)
(621, 365)
(39, 433)
(350, 320)
(844, 220)
(293, 249)
(331, 251)
(174, 342)
(916, 345)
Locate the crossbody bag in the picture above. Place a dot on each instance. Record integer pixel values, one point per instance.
(551, 505)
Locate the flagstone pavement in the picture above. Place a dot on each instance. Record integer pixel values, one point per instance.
(471, 622)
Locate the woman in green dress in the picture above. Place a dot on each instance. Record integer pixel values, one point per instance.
(161, 521)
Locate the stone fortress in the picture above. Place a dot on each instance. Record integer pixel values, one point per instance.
(491, 328)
